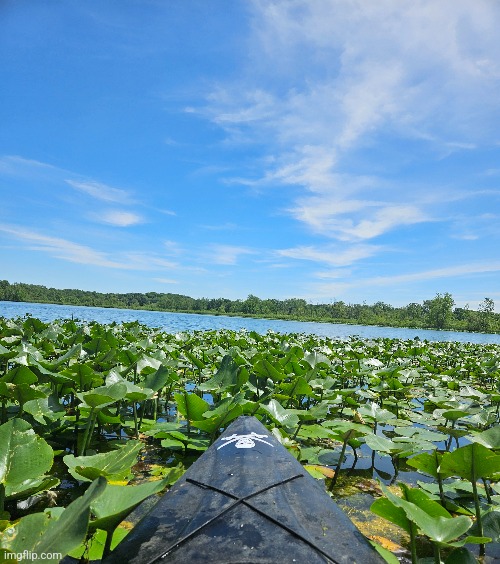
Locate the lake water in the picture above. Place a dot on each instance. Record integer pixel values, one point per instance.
(176, 322)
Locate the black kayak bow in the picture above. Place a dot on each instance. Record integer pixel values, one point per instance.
(245, 500)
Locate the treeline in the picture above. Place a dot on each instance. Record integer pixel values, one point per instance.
(436, 313)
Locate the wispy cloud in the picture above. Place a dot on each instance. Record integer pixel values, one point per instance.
(118, 218)
(329, 80)
(21, 167)
(352, 220)
(172, 248)
(226, 254)
(70, 251)
(101, 191)
(449, 272)
(61, 248)
(16, 165)
(331, 256)
(166, 212)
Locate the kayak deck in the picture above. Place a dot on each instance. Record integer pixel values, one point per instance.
(245, 500)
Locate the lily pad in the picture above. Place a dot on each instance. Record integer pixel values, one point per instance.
(113, 465)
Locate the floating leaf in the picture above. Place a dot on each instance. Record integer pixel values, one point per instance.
(24, 456)
(471, 462)
(191, 406)
(104, 395)
(319, 472)
(431, 520)
(114, 464)
(265, 369)
(225, 378)
(116, 502)
(489, 438)
(282, 416)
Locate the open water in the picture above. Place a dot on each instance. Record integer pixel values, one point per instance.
(177, 322)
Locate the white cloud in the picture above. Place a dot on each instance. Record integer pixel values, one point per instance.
(118, 218)
(396, 280)
(19, 166)
(331, 256)
(172, 248)
(70, 251)
(61, 248)
(227, 254)
(331, 76)
(166, 212)
(101, 191)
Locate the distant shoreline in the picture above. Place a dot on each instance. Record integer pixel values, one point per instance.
(435, 314)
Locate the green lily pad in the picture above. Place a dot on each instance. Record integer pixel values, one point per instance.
(113, 465)
(24, 456)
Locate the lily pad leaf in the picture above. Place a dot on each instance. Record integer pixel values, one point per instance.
(491, 525)
(428, 463)
(382, 444)
(264, 369)
(30, 487)
(116, 502)
(228, 409)
(461, 556)
(282, 416)
(383, 507)
(45, 408)
(104, 395)
(159, 379)
(225, 378)
(112, 465)
(20, 375)
(191, 406)
(489, 438)
(376, 413)
(440, 529)
(23, 454)
(471, 462)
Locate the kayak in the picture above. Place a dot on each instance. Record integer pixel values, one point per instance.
(245, 500)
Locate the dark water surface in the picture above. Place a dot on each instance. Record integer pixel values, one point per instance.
(175, 322)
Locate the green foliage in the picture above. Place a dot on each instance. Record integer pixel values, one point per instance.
(76, 388)
(24, 457)
(40, 533)
(114, 465)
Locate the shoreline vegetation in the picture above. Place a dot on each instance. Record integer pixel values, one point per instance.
(436, 313)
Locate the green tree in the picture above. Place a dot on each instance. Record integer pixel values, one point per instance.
(439, 313)
(485, 310)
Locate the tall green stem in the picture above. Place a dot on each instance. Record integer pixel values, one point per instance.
(337, 470)
(143, 409)
(437, 554)
(89, 427)
(107, 544)
(136, 422)
(413, 543)
(478, 515)
(4, 411)
(155, 408)
(2, 498)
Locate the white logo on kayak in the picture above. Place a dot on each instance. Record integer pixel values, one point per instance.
(244, 441)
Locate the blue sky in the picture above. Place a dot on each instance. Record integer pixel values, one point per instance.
(319, 149)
